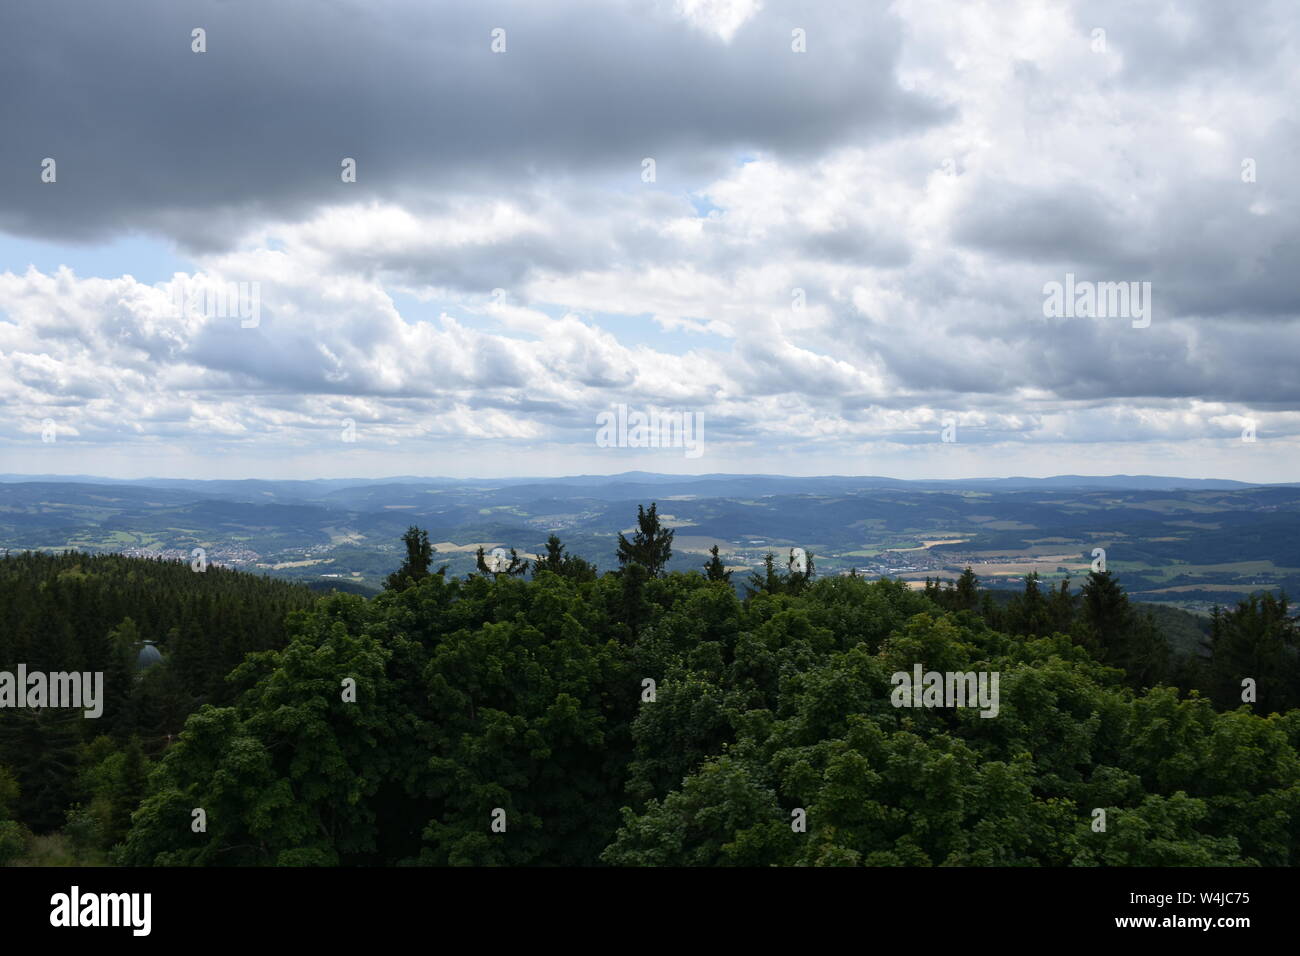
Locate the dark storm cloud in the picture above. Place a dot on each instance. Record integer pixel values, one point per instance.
(1068, 222)
(1197, 241)
(150, 135)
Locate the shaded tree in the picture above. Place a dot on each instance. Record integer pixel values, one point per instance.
(559, 561)
(41, 743)
(967, 590)
(1029, 614)
(651, 545)
(767, 581)
(1260, 640)
(1116, 634)
(419, 556)
(715, 569)
(515, 566)
(772, 580)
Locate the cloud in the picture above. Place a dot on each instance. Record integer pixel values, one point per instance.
(149, 135)
(841, 249)
(723, 17)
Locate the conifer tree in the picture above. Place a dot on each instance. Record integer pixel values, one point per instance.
(515, 566)
(419, 555)
(767, 582)
(129, 790)
(558, 561)
(967, 590)
(651, 545)
(1116, 634)
(40, 743)
(714, 569)
(796, 582)
(1029, 614)
(1105, 617)
(1061, 607)
(1256, 639)
(553, 560)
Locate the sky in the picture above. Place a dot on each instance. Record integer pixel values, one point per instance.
(454, 238)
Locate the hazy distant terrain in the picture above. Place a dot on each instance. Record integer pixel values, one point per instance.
(1180, 541)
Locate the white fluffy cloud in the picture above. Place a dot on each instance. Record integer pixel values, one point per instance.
(827, 295)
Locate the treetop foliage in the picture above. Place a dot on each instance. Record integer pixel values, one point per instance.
(642, 718)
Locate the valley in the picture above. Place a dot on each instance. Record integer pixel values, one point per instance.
(1184, 543)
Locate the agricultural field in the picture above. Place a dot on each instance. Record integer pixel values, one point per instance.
(1179, 542)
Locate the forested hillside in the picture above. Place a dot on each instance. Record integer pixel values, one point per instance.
(540, 713)
(78, 612)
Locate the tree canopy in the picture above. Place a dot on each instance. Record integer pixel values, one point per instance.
(642, 718)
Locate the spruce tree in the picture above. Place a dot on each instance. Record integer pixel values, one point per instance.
(768, 582)
(967, 591)
(558, 561)
(1257, 639)
(796, 582)
(651, 545)
(714, 569)
(1117, 635)
(553, 560)
(419, 555)
(514, 567)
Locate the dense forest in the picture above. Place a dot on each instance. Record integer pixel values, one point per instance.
(541, 712)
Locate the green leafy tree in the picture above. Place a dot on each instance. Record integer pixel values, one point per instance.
(553, 559)
(721, 817)
(652, 719)
(289, 775)
(1106, 616)
(118, 666)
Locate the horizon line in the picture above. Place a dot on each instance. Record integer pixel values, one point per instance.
(17, 477)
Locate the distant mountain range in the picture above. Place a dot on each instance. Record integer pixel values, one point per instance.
(711, 484)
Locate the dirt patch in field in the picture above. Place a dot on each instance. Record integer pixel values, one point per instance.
(449, 547)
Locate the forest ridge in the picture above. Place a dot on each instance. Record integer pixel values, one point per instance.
(541, 711)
